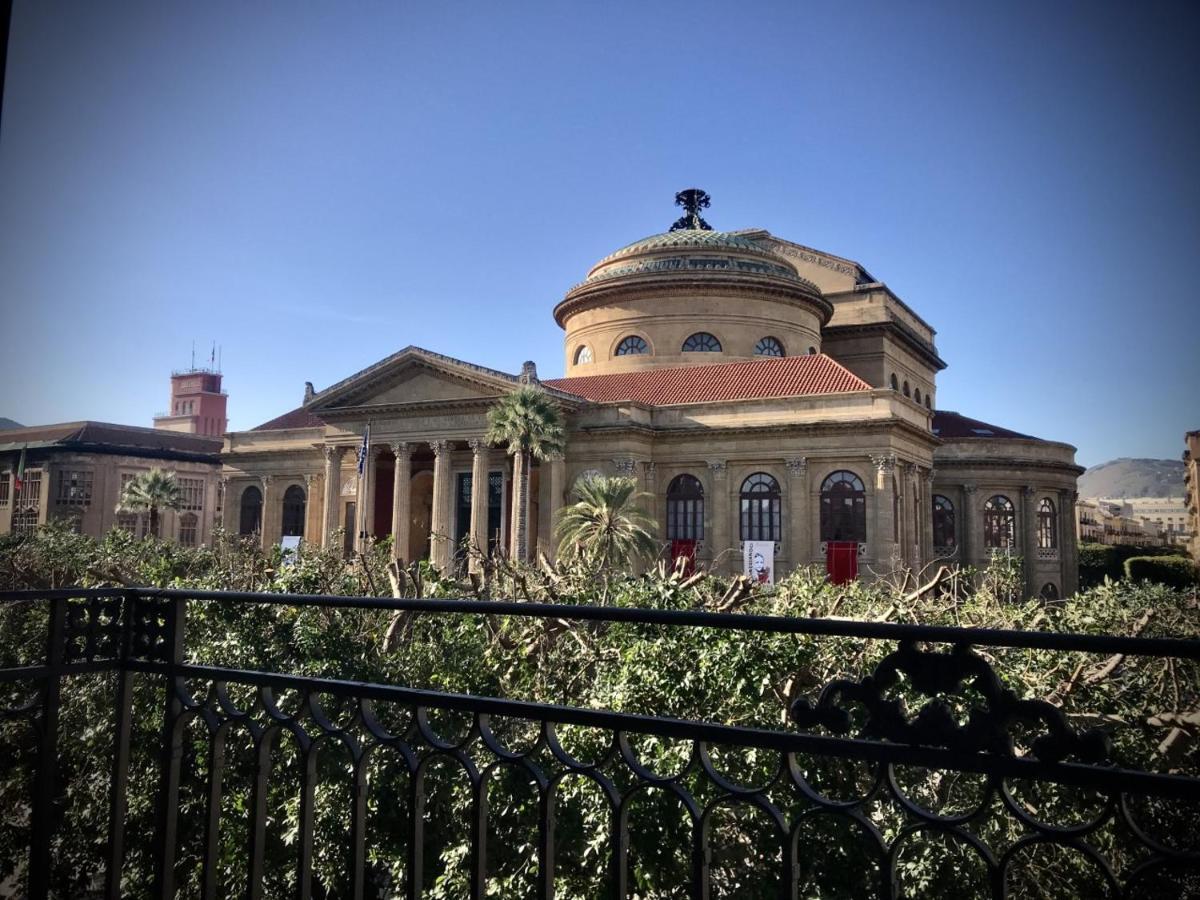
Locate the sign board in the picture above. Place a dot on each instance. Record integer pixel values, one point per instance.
(758, 561)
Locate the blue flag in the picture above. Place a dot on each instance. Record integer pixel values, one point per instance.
(364, 450)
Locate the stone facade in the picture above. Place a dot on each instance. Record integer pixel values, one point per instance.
(1191, 461)
(74, 472)
(743, 361)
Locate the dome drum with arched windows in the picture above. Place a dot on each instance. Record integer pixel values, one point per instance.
(653, 293)
(765, 396)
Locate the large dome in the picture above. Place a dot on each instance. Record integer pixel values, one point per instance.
(693, 250)
(690, 295)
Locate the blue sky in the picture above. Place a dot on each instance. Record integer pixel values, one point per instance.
(317, 185)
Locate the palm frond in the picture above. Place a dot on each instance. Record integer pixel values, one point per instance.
(606, 526)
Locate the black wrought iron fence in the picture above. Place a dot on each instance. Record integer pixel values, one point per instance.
(851, 798)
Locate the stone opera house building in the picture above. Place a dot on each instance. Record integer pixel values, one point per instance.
(757, 389)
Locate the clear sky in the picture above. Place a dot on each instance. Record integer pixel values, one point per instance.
(317, 185)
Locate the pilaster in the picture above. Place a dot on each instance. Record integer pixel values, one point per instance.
(1029, 540)
(972, 531)
(799, 518)
(722, 543)
(887, 535)
(266, 523)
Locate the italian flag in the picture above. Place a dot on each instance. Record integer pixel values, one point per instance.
(19, 475)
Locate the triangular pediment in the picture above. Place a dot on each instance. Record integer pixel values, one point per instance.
(414, 375)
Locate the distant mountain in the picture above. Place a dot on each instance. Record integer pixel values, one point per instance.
(1133, 478)
(6, 424)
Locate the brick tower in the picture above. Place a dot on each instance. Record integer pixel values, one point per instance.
(197, 404)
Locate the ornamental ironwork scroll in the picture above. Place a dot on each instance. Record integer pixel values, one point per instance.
(987, 729)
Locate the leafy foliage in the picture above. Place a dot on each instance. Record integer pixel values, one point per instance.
(529, 424)
(605, 528)
(1175, 571)
(150, 492)
(741, 678)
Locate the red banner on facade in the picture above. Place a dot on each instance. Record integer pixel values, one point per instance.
(685, 550)
(841, 561)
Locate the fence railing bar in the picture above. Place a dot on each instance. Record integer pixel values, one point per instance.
(27, 673)
(1067, 773)
(118, 800)
(1184, 648)
(212, 819)
(45, 794)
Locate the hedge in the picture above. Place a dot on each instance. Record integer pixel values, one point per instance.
(1099, 560)
(1173, 571)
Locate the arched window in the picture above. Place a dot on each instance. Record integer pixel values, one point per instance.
(187, 529)
(685, 509)
(812, 351)
(1049, 592)
(928, 402)
(943, 522)
(917, 394)
(895, 382)
(632, 346)
(760, 508)
(250, 519)
(293, 511)
(843, 508)
(906, 391)
(769, 346)
(583, 355)
(701, 342)
(999, 523)
(1047, 525)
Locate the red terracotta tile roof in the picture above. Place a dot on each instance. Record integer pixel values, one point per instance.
(791, 376)
(296, 418)
(951, 425)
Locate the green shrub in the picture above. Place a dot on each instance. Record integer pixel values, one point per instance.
(1173, 571)
(1097, 561)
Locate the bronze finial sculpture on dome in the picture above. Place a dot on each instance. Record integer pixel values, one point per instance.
(692, 200)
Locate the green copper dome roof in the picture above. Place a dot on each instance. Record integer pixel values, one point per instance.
(693, 250)
(686, 239)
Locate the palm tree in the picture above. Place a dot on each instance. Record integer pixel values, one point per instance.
(528, 423)
(606, 526)
(150, 492)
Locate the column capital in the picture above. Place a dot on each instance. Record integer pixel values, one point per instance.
(930, 474)
(625, 465)
(797, 466)
(1028, 491)
(717, 467)
(968, 488)
(477, 444)
(439, 447)
(400, 448)
(885, 463)
(308, 479)
(650, 469)
(266, 480)
(333, 453)
(224, 480)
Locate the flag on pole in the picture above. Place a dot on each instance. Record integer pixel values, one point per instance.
(19, 475)
(360, 511)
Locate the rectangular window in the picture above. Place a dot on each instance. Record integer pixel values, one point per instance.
(30, 494)
(127, 522)
(74, 487)
(4, 485)
(191, 491)
(187, 530)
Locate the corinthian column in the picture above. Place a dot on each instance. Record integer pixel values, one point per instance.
(479, 502)
(439, 529)
(333, 491)
(972, 531)
(401, 500)
(266, 522)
